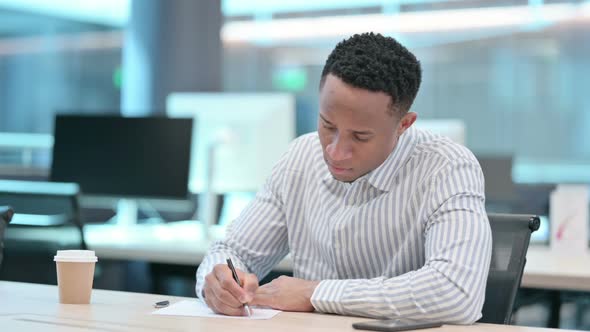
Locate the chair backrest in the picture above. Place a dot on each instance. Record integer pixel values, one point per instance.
(56, 200)
(50, 209)
(511, 234)
(43, 204)
(6, 214)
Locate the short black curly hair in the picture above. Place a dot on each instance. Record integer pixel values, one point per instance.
(376, 63)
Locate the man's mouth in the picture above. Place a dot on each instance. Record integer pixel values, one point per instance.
(338, 170)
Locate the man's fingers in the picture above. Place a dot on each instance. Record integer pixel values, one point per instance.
(215, 285)
(209, 297)
(219, 307)
(225, 296)
(226, 310)
(227, 282)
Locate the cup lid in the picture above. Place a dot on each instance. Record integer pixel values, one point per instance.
(82, 256)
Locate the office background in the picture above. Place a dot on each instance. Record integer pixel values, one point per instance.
(521, 88)
(515, 72)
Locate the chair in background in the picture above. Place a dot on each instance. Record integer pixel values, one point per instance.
(511, 234)
(47, 219)
(6, 214)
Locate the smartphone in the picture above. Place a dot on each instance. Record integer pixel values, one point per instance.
(390, 325)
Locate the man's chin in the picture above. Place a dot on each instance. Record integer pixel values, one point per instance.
(344, 178)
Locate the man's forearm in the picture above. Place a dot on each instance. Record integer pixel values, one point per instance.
(425, 294)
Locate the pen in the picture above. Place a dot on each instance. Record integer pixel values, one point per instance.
(162, 304)
(237, 279)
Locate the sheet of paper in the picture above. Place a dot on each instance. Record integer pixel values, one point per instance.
(199, 309)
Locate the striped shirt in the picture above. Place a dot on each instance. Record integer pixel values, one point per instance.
(408, 239)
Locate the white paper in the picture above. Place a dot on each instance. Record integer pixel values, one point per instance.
(569, 219)
(197, 308)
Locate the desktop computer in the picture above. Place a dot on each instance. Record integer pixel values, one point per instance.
(124, 157)
(238, 138)
(245, 133)
(451, 128)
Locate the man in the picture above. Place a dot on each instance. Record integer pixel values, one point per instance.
(381, 219)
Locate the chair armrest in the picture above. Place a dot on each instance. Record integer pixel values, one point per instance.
(6, 213)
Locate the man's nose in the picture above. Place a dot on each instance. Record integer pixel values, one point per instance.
(339, 150)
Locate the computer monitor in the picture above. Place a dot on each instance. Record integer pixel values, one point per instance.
(451, 128)
(246, 133)
(124, 157)
(497, 172)
(238, 138)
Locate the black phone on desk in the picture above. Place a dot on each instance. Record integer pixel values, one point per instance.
(392, 325)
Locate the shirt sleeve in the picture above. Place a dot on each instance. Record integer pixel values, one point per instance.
(450, 287)
(257, 240)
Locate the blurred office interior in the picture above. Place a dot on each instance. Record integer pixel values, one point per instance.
(511, 72)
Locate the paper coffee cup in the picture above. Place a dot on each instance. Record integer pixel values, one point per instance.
(75, 274)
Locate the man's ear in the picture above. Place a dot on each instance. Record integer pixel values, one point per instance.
(406, 122)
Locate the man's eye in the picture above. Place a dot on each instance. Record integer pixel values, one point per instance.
(328, 127)
(361, 139)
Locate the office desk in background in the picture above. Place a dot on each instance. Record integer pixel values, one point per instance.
(185, 243)
(555, 279)
(29, 307)
(545, 269)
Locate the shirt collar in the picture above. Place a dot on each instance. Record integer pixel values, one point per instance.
(382, 177)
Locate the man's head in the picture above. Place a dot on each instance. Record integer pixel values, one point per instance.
(367, 87)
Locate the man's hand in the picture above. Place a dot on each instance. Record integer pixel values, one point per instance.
(287, 294)
(222, 293)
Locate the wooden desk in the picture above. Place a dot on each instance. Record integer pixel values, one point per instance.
(30, 307)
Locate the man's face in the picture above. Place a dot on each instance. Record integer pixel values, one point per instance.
(356, 128)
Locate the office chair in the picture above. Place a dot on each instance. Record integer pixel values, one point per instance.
(511, 234)
(47, 219)
(6, 214)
